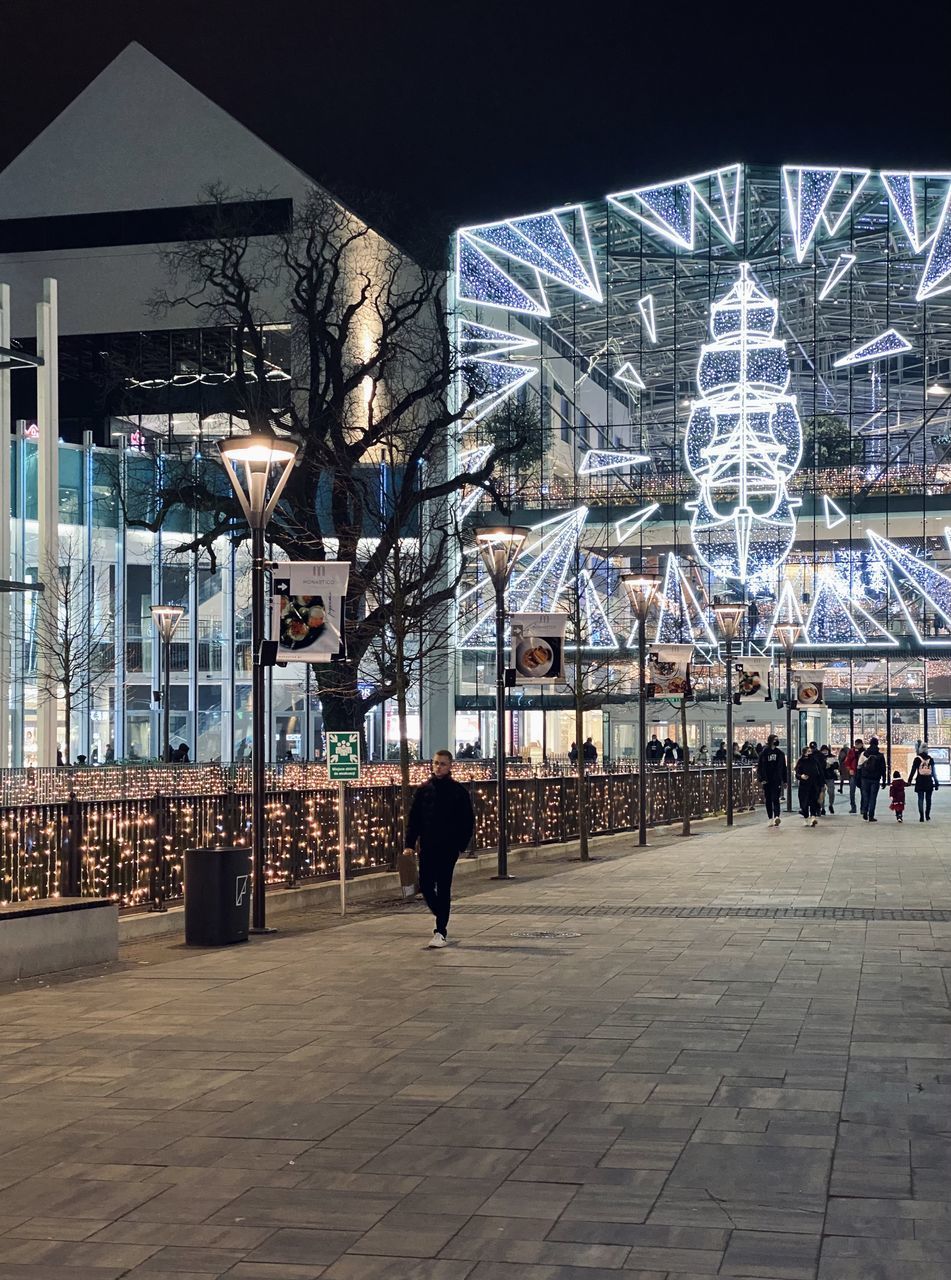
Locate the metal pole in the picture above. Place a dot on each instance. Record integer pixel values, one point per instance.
(789, 750)
(342, 843)
(642, 731)
(503, 860)
(729, 733)
(258, 911)
(166, 696)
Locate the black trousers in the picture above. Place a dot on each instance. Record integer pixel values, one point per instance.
(924, 803)
(809, 799)
(771, 794)
(435, 883)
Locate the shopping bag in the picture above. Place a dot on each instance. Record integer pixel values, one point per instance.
(408, 868)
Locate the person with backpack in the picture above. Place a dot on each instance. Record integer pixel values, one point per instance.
(923, 776)
(872, 774)
(772, 775)
(810, 774)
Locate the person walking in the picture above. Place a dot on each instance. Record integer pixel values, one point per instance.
(773, 775)
(923, 776)
(441, 822)
(654, 751)
(589, 752)
(831, 765)
(872, 773)
(810, 774)
(573, 753)
(851, 768)
(896, 793)
(842, 753)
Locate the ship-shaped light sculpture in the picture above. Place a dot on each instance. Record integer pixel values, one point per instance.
(744, 438)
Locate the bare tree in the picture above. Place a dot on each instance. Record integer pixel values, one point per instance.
(373, 383)
(73, 630)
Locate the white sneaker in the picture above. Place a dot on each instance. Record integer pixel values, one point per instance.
(438, 940)
(807, 823)
(814, 822)
(775, 822)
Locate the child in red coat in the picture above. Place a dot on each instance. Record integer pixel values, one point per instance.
(897, 793)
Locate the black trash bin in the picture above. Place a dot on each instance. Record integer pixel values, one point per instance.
(217, 896)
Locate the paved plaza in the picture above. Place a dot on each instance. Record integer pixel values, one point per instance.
(723, 1056)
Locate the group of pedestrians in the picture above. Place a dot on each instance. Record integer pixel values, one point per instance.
(818, 772)
(666, 752)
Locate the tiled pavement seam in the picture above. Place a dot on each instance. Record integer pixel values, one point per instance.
(660, 1096)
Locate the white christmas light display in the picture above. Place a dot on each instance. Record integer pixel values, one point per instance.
(478, 279)
(833, 514)
(744, 438)
(787, 610)
(669, 210)
(469, 461)
(919, 580)
(680, 616)
(598, 633)
(480, 340)
(840, 268)
(628, 376)
(834, 619)
(490, 382)
(541, 242)
(645, 306)
(809, 195)
(630, 524)
(887, 344)
(936, 277)
(594, 461)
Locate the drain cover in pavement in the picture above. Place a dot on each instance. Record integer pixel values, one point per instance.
(545, 933)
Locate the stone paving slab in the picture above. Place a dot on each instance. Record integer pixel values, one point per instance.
(722, 1056)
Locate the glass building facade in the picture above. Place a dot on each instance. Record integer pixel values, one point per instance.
(743, 382)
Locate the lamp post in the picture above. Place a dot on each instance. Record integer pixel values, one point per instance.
(500, 545)
(788, 633)
(258, 466)
(166, 618)
(641, 591)
(729, 616)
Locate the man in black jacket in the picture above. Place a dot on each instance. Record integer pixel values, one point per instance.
(441, 821)
(871, 773)
(771, 772)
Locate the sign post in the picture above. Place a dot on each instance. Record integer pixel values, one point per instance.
(343, 766)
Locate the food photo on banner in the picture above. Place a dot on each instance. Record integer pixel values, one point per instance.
(751, 679)
(808, 687)
(307, 604)
(538, 647)
(668, 670)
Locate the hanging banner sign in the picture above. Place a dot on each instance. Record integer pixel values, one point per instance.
(808, 687)
(538, 647)
(668, 670)
(751, 679)
(307, 600)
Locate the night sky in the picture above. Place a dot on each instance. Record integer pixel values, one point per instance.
(426, 115)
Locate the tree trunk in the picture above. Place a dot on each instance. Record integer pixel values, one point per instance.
(401, 711)
(68, 711)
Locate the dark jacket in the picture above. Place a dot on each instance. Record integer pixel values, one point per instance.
(814, 769)
(922, 783)
(831, 768)
(654, 752)
(440, 817)
(872, 767)
(771, 767)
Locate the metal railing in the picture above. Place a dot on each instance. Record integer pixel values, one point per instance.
(130, 847)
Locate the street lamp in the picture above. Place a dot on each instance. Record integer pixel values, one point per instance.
(788, 633)
(258, 466)
(500, 545)
(641, 591)
(166, 618)
(729, 617)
